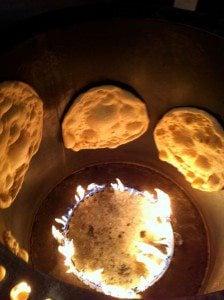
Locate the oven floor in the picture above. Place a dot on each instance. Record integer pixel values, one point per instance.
(187, 270)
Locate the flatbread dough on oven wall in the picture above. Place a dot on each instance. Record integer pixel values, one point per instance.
(104, 117)
(21, 122)
(192, 140)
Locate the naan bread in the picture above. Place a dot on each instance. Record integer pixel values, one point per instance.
(2, 273)
(192, 140)
(21, 122)
(12, 244)
(104, 117)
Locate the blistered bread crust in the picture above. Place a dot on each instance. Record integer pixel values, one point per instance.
(12, 244)
(192, 140)
(104, 117)
(21, 122)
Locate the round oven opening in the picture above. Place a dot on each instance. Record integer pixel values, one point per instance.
(65, 227)
(169, 66)
(116, 239)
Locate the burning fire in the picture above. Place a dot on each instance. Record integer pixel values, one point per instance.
(154, 260)
(21, 291)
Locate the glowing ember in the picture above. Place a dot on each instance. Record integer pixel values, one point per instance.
(146, 256)
(21, 291)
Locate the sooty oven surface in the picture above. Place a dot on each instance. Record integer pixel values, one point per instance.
(147, 56)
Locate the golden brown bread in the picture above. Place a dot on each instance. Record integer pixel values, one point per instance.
(104, 117)
(12, 244)
(21, 122)
(193, 141)
(2, 273)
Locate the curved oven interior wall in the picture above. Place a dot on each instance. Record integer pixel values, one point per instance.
(168, 65)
